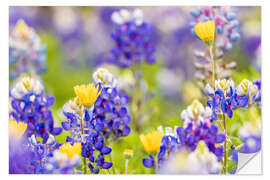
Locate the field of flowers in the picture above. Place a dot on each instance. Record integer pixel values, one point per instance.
(133, 90)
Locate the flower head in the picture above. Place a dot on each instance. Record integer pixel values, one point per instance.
(87, 94)
(26, 84)
(16, 129)
(128, 153)
(206, 31)
(151, 141)
(102, 75)
(71, 150)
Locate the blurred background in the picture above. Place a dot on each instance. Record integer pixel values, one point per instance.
(78, 41)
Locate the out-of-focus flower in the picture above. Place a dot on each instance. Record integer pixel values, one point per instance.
(26, 53)
(30, 104)
(200, 161)
(206, 31)
(250, 132)
(87, 94)
(71, 150)
(189, 95)
(16, 129)
(151, 141)
(60, 163)
(132, 37)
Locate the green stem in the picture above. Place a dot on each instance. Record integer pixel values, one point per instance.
(113, 169)
(135, 106)
(213, 65)
(82, 132)
(225, 146)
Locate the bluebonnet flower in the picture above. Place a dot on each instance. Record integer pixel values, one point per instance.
(91, 140)
(93, 124)
(110, 115)
(26, 53)
(226, 23)
(247, 93)
(30, 104)
(41, 153)
(132, 37)
(197, 126)
(225, 98)
(200, 161)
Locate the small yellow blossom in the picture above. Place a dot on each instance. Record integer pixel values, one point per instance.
(128, 153)
(16, 129)
(87, 94)
(151, 141)
(70, 150)
(206, 31)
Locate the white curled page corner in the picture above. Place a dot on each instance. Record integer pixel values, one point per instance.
(250, 164)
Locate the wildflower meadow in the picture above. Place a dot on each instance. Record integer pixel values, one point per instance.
(133, 90)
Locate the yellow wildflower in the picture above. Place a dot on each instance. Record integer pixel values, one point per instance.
(151, 141)
(128, 153)
(206, 31)
(16, 129)
(70, 150)
(87, 94)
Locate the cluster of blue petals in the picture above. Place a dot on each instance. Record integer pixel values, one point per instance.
(132, 44)
(33, 109)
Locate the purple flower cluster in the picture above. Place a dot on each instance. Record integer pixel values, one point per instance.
(226, 98)
(110, 114)
(132, 39)
(32, 107)
(190, 137)
(89, 136)
(227, 26)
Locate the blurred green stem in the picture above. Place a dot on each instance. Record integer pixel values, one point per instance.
(213, 65)
(82, 132)
(135, 104)
(113, 169)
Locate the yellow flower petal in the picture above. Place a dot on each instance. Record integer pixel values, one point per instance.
(151, 141)
(205, 31)
(87, 94)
